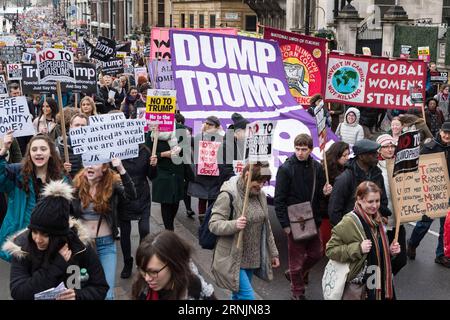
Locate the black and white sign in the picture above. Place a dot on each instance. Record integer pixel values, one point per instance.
(15, 115)
(439, 77)
(104, 49)
(55, 65)
(14, 71)
(113, 67)
(258, 140)
(407, 153)
(3, 87)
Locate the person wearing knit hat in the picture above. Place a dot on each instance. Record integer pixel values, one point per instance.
(45, 253)
(239, 122)
(385, 153)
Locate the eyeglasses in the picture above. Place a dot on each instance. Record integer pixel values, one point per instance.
(151, 273)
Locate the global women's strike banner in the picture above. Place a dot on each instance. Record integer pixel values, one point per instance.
(238, 74)
(304, 59)
(373, 82)
(160, 42)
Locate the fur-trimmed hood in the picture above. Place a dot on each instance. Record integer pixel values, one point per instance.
(14, 244)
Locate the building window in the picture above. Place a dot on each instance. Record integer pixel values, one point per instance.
(212, 20)
(161, 17)
(146, 14)
(171, 20)
(250, 23)
(191, 21)
(446, 12)
(182, 20)
(384, 6)
(201, 20)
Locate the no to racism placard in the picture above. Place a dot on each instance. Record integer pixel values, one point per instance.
(258, 140)
(160, 41)
(55, 65)
(14, 71)
(15, 115)
(407, 153)
(304, 59)
(373, 82)
(85, 75)
(227, 72)
(107, 137)
(160, 109)
(104, 49)
(424, 192)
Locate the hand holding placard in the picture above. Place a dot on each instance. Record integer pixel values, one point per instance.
(7, 141)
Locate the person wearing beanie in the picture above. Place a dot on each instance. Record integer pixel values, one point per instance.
(434, 117)
(99, 194)
(206, 185)
(385, 153)
(23, 182)
(45, 253)
(439, 144)
(350, 130)
(363, 167)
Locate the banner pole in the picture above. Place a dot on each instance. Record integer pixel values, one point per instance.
(155, 141)
(423, 110)
(76, 101)
(325, 165)
(244, 209)
(397, 214)
(63, 122)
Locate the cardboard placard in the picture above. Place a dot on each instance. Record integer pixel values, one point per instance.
(15, 115)
(424, 192)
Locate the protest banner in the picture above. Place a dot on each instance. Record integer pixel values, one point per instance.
(423, 53)
(85, 75)
(304, 59)
(107, 137)
(160, 109)
(207, 158)
(113, 67)
(405, 51)
(161, 73)
(439, 77)
(15, 115)
(407, 152)
(55, 65)
(104, 49)
(140, 72)
(424, 192)
(3, 87)
(373, 81)
(14, 71)
(160, 40)
(225, 77)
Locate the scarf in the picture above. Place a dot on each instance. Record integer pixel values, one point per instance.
(382, 253)
(152, 295)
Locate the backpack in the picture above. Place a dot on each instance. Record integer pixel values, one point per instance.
(206, 238)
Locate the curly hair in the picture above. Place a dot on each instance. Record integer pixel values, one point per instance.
(54, 167)
(101, 201)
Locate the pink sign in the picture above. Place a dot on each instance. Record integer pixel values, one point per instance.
(165, 121)
(160, 43)
(207, 158)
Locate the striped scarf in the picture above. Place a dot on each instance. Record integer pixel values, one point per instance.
(376, 225)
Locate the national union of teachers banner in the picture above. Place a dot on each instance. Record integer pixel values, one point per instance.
(304, 59)
(373, 81)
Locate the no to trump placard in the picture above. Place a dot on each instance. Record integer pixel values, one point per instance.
(160, 109)
(14, 71)
(224, 72)
(424, 192)
(55, 65)
(373, 82)
(15, 115)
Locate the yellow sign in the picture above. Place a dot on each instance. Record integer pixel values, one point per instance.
(2, 44)
(161, 104)
(58, 46)
(121, 55)
(74, 45)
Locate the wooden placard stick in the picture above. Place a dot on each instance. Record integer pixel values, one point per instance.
(63, 122)
(325, 166)
(397, 214)
(246, 198)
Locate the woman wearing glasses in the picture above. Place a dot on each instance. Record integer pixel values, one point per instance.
(166, 271)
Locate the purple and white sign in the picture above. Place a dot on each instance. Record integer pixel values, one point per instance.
(161, 73)
(218, 75)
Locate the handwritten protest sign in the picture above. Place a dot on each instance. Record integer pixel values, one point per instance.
(3, 87)
(107, 137)
(207, 158)
(238, 167)
(373, 81)
(104, 49)
(15, 115)
(55, 65)
(258, 144)
(14, 71)
(424, 192)
(160, 109)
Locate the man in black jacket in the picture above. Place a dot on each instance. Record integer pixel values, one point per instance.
(300, 179)
(439, 144)
(359, 169)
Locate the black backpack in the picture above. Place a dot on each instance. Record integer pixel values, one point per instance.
(206, 238)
